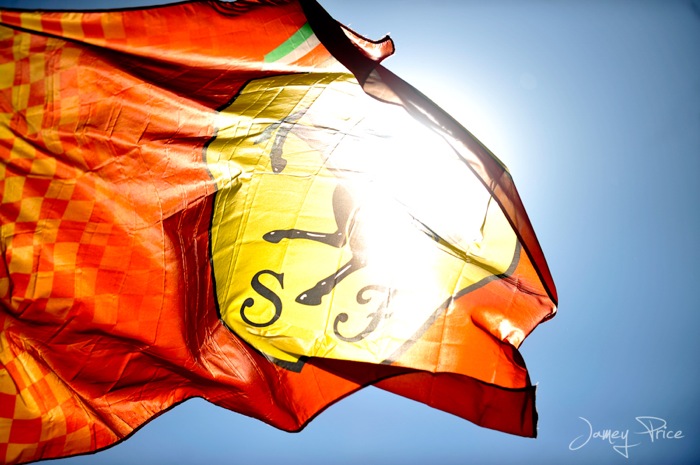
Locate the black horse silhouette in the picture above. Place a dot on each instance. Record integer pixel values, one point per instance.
(343, 204)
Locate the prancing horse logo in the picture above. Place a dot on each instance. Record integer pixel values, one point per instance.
(312, 157)
(348, 229)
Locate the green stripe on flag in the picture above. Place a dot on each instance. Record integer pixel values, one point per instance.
(290, 44)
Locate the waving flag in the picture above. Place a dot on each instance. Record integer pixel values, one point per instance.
(237, 201)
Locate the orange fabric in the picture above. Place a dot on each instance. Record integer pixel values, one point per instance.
(108, 314)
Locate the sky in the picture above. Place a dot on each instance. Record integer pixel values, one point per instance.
(595, 108)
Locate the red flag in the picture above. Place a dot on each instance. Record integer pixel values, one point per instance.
(239, 202)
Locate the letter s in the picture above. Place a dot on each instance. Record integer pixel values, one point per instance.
(266, 293)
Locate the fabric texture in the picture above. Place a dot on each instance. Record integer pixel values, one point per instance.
(237, 201)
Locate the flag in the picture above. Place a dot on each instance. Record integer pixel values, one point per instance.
(237, 201)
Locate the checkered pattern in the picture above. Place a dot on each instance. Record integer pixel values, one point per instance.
(86, 184)
(65, 260)
(38, 414)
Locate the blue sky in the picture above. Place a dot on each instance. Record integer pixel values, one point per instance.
(595, 108)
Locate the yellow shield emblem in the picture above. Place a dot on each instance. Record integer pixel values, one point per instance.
(341, 225)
